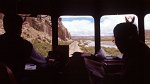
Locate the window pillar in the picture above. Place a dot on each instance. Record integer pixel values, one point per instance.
(141, 26)
(97, 33)
(54, 31)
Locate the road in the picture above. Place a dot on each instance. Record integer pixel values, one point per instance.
(74, 47)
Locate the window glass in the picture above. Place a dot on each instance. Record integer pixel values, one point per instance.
(107, 24)
(38, 30)
(147, 29)
(77, 32)
(1, 24)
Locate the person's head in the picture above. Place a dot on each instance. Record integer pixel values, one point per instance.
(76, 54)
(12, 24)
(125, 34)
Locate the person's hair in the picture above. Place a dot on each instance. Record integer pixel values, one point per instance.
(125, 31)
(12, 23)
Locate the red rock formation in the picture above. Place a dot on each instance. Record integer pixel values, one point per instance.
(43, 23)
(62, 31)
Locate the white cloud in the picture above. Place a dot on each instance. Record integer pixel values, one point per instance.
(108, 22)
(147, 21)
(71, 17)
(80, 27)
(84, 25)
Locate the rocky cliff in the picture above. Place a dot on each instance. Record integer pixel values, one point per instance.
(63, 32)
(38, 30)
(43, 23)
(40, 26)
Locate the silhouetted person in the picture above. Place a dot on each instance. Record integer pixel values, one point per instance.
(14, 50)
(136, 54)
(76, 71)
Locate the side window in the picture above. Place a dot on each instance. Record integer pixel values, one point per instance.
(107, 24)
(1, 24)
(38, 31)
(77, 32)
(147, 29)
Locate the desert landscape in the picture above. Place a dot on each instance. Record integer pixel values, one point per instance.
(39, 32)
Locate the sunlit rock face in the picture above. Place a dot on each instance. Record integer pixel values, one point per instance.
(43, 24)
(40, 28)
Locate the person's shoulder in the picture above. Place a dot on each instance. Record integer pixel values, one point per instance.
(29, 43)
(26, 42)
(145, 48)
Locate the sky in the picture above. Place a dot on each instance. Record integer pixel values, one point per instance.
(84, 25)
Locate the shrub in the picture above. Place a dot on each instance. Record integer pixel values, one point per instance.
(41, 47)
(111, 51)
(89, 49)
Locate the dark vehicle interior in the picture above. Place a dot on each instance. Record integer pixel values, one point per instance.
(74, 69)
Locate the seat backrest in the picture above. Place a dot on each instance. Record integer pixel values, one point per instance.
(6, 75)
